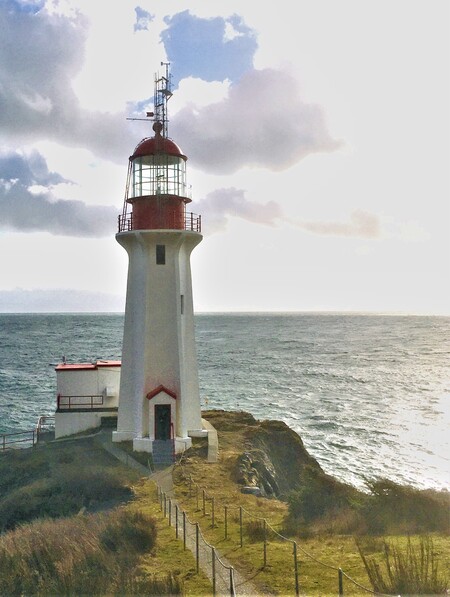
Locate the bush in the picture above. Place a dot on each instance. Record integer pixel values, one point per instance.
(413, 570)
(63, 494)
(132, 531)
(318, 495)
(392, 508)
(255, 530)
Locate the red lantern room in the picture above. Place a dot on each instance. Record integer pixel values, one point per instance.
(157, 192)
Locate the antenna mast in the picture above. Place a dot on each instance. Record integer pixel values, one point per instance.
(163, 92)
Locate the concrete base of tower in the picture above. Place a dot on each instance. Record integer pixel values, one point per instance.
(145, 444)
(123, 436)
(198, 433)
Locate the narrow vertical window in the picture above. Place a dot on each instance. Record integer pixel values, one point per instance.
(160, 254)
(182, 304)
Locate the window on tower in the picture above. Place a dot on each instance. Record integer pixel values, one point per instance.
(160, 254)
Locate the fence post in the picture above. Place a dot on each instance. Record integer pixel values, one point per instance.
(197, 551)
(232, 589)
(184, 529)
(213, 552)
(165, 505)
(297, 588)
(341, 582)
(240, 525)
(226, 521)
(176, 521)
(170, 512)
(197, 498)
(265, 542)
(212, 513)
(160, 499)
(204, 499)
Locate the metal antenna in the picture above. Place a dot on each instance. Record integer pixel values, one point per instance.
(162, 94)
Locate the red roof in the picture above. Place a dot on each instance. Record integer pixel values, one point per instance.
(81, 366)
(157, 144)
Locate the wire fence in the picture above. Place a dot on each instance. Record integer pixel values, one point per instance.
(206, 556)
(257, 530)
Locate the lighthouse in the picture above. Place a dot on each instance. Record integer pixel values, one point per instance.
(159, 398)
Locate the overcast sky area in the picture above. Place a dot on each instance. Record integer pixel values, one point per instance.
(317, 136)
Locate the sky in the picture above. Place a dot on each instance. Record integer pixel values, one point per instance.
(318, 142)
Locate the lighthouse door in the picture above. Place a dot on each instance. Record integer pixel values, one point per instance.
(162, 421)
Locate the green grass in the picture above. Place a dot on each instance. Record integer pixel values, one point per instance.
(325, 542)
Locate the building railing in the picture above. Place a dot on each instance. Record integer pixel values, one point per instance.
(81, 401)
(191, 222)
(24, 439)
(19, 439)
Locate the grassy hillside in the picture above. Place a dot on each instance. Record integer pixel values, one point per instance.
(77, 522)
(73, 493)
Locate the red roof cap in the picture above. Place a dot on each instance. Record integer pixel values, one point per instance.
(81, 366)
(157, 144)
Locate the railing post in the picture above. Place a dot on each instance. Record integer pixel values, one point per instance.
(197, 498)
(197, 550)
(176, 521)
(341, 582)
(226, 521)
(240, 525)
(213, 553)
(184, 530)
(265, 542)
(297, 588)
(170, 512)
(165, 505)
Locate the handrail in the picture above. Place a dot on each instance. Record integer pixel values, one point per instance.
(189, 221)
(79, 403)
(18, 437)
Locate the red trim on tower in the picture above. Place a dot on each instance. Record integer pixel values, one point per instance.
(160, 389)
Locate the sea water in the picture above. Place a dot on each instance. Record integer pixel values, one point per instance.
(368, 394)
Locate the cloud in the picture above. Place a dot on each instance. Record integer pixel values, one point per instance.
(40, 53)
(143, 19)
(211, 49)
(24, 209)
(263, 122)
(29, 170)
(219, 205)
(222, 204)
(362, 225)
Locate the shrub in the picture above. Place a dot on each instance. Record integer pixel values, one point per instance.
(255, 530)
(413, 570)
(132, 531)
(392, 508)
(317, 495)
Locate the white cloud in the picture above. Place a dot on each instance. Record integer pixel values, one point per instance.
(263, 122)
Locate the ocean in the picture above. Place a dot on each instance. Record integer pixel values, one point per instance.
(368, 394)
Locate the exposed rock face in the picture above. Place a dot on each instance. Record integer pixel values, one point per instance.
(274, 459)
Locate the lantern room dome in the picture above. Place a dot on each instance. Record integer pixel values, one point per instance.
(158, 144)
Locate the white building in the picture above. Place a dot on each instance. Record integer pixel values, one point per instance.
(87, 394)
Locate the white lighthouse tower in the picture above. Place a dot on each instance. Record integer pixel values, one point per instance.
(159, 395)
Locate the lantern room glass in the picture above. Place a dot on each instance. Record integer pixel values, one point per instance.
(161, 174)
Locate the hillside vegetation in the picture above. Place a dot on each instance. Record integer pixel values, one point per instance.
(75, 521)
